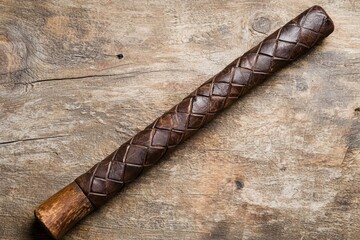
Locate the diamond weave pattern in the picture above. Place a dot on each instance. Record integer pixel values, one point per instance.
(176, 125)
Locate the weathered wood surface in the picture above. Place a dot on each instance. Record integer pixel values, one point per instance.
(282, 163)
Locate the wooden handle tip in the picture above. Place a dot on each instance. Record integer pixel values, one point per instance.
(63, 210)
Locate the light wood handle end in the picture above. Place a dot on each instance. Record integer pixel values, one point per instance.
(63, 210)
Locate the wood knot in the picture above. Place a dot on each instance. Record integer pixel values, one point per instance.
(239, 184)
(262, 25)
(14, 54)
(5, 47)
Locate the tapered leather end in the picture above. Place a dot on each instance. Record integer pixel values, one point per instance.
(327, 26)
(63, 210)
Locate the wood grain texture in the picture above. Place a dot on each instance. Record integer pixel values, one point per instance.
(282, 163)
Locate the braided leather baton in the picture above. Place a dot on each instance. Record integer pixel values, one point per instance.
(92, 189)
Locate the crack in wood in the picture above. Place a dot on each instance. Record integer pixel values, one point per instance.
(123, 75)
(74, 78)
(32, 139)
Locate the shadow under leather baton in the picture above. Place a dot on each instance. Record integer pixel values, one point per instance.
(89, 191)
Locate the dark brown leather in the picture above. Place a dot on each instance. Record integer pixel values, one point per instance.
(184, 119)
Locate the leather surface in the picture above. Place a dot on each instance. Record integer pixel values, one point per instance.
(147, 147)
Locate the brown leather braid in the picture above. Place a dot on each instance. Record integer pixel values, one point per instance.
(184, 119)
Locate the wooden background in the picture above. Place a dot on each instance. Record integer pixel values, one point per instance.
(282, 163)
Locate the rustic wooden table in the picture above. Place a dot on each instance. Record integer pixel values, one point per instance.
(282, 163)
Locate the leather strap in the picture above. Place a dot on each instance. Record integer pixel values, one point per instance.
(176, 125)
